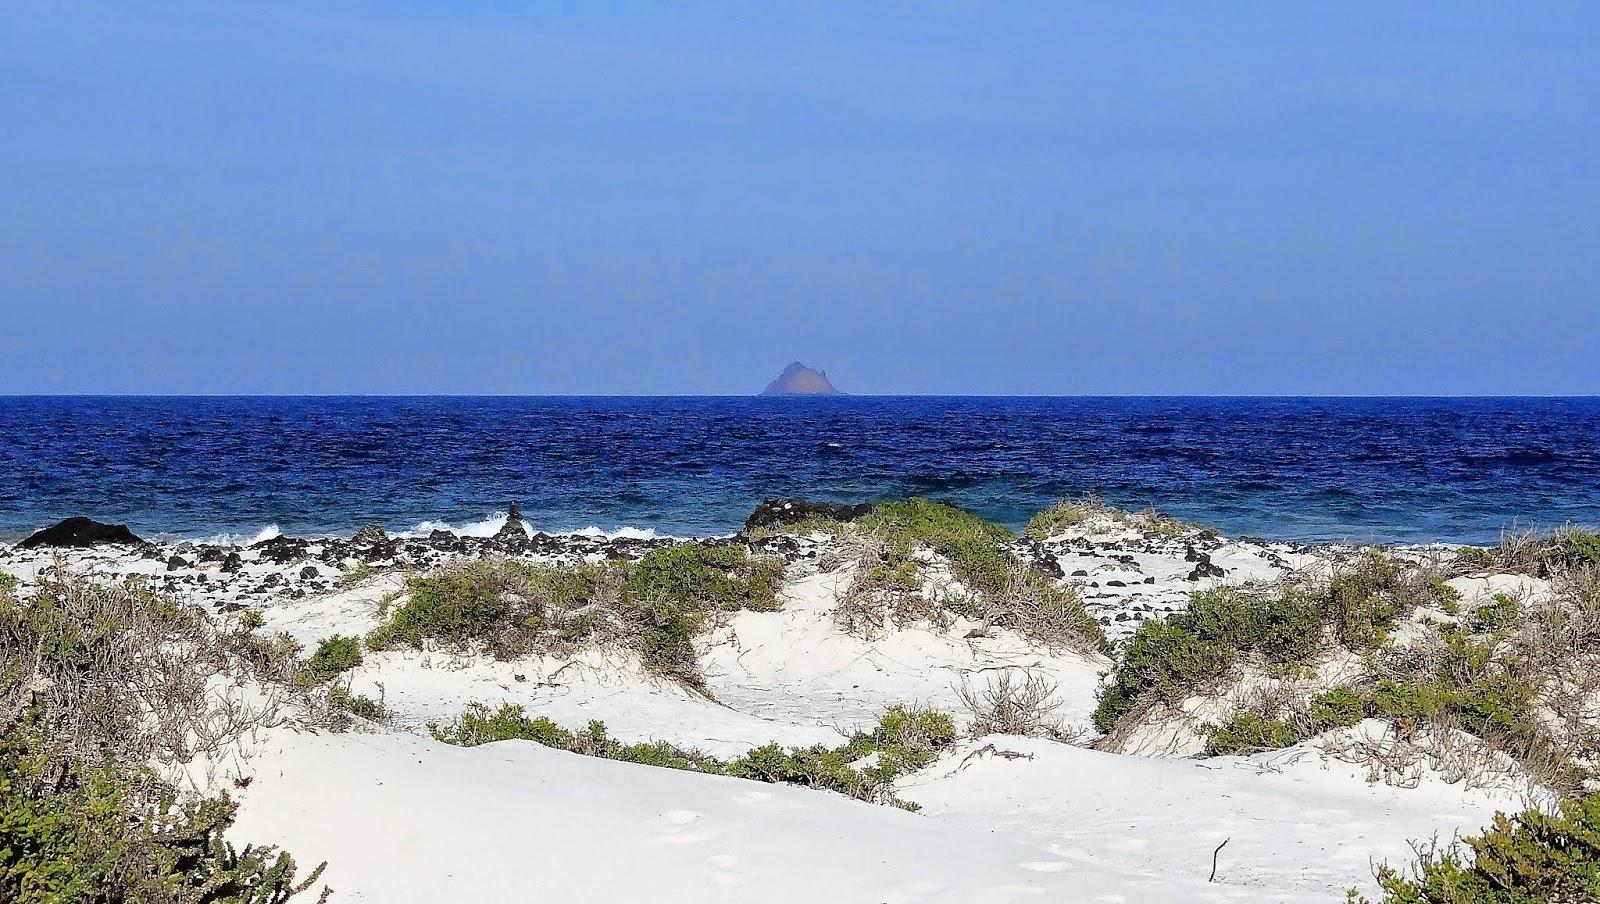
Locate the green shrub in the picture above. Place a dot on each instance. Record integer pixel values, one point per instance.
(1574, 549)
(904, 740)
(1167, 660)
(1056, 520)
(456, 606)
(1363, 602)
(508, 608)
(666, 640)
(912, 737)
(1163, 660)
(1000, 589)
(341, 699)
(335, 654)
(1527, 858)
(974, 547)
(700, 576)
(1247, 733)
(1500, 612)
(1468, 687)
(1251, 732)
(1337, 707)
(76, 833)
(477, 725)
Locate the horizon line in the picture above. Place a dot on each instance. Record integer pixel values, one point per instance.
(780, 398)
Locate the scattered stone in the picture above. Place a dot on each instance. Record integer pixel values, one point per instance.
(309, 572)
(174, 563)
(232, 563)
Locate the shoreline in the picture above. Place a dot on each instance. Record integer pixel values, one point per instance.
(1129, 567)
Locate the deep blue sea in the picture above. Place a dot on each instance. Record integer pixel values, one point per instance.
(1457, 470)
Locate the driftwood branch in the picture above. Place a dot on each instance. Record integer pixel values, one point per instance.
(1214, 857)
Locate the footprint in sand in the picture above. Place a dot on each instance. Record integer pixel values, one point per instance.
(724, 870)
(753, 797)
(680, 819)
(1044, 866)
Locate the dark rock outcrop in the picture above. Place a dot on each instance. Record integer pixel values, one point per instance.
(1205, 568)
(512, 532)
(777, 512)
(282, 550)
(370, 535)
(79, 532)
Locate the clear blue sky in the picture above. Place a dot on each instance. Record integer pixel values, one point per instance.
(322, 197)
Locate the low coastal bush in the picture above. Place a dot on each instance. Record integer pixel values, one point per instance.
(1067, 514)
(1057, 519)
(73, 831)
(1337, 707)
(336, 653)
(1166, 661)
(974, 547)
(1246, 733)
(700, 576)
(1277, 723)
(996, 586)
(1573, 549)
(904, 740)
(1526, 858)
(1534, 552)
(656, 606)
(342, 700)
(97, 682)
(1448, 683)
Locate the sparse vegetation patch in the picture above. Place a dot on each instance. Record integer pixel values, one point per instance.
(508, 608)
(1167, 661)
(905, 739)
(97, 681)
(1525, 858)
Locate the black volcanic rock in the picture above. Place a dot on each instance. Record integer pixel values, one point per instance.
(773, 512)
(798, 379)
(370, 535)
(80, 531)
(512, 531)
(282, 550)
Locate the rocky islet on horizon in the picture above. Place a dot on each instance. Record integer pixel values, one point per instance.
(800, 380)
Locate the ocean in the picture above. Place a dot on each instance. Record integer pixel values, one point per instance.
(1366, 469)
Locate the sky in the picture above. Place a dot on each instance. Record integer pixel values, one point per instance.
(954, 198)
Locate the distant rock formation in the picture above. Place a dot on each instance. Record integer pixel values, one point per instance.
(798, 379)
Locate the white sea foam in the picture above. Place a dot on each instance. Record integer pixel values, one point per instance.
(485, 527)
(230, 539)
(623, 533)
